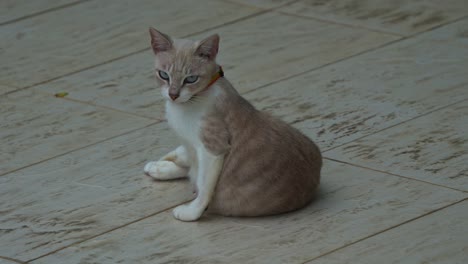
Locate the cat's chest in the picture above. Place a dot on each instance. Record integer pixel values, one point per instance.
(186, 121)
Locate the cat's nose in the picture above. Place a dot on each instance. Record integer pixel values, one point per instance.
(173, 96)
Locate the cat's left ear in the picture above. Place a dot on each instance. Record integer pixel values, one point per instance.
(208, 48)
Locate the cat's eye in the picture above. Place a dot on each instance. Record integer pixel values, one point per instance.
(191, 79)
(163, 75)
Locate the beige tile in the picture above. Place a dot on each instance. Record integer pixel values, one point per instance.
(84, 193)
(400, 16)
(35, 127)
(90, 33)
(9, 261)
(353, 203)
(362, 95)
(14, 9)
(6, 88)
(437, 238)
(253, 53)
(5, 260)
(432, 148)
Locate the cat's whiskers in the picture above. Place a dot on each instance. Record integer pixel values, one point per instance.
(196, 99)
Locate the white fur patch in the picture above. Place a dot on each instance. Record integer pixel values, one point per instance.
(164, 170)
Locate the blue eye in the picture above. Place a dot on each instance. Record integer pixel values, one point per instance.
(191, 79)
(163, 75)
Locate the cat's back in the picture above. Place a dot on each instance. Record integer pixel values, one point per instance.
(270, 168)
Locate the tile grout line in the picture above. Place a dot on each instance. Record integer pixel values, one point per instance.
(358, 54)
(74, 72)
(79, 148)
(324, 65)
(259, 7)
(12, 259)
(386, 229)
(100, 106)
(18, 19)
(393, 174)
(400, 123)
(343, 24)
(324, 20)
(106, 232)
(112, 109)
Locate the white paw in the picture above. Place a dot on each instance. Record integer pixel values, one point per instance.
(187, 212)
(164, 170)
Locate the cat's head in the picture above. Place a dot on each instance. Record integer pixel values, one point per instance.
(183, 68)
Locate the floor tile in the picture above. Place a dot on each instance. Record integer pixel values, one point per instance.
(35, 127)
(350, 99)
(400, 16)
(353, 203)
(432, 148)
(71, 39)
(8, 261)
(14, 9)
(252, 54)
(437, 238)
(83, 193)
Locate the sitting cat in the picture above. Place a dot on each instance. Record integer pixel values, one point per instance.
(242, 161)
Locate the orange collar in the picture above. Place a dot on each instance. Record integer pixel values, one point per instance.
(218, 75)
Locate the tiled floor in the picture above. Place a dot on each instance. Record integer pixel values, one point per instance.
(381, 86)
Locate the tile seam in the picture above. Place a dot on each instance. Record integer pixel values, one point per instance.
(410, 35)
(77, 149)
(18, 19)
(400, 123)
(106, 232)
(78, 101)
(394, 174)
(265, 8)
(12, 259)
(323, 20)
(383, 45)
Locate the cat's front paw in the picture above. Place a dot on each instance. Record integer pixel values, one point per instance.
(164, 170)
(187, 212)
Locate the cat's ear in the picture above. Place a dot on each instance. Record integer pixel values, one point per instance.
(208, 48)
(159, 41)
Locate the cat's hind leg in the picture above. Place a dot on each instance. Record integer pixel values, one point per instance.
(173, 165)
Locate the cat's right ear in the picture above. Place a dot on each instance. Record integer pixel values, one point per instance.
(159, 41)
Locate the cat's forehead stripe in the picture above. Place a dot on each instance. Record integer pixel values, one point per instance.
(182, 60)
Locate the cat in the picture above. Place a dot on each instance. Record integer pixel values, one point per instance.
(242, 162)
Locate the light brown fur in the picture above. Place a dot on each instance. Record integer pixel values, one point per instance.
(269, 167)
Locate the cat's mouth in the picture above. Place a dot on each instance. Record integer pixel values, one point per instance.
(181, 100)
